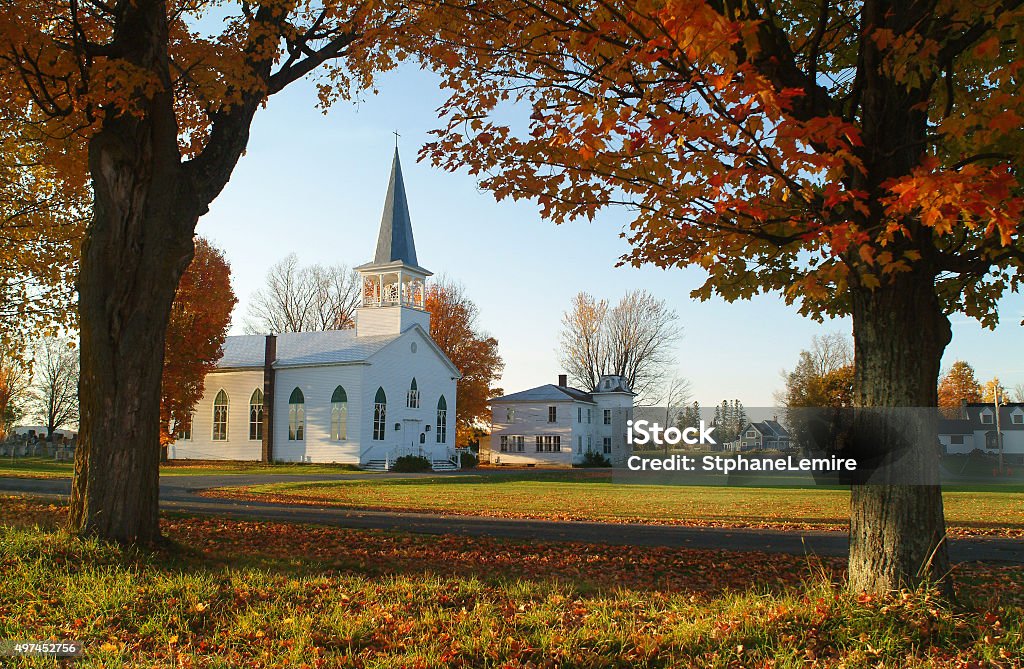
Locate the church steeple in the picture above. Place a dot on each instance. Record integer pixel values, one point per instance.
(395, 240)
(394, 285)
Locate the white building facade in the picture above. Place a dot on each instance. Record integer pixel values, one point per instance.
(555, 425)
(361, 396)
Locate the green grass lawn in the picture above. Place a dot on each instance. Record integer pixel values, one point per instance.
(253, 594)
(581, 495)
(32, 467)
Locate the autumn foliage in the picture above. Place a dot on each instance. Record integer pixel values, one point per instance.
(453, 326)
(959, 385)
(199, 321)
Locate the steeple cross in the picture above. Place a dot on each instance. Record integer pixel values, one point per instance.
(395, 133)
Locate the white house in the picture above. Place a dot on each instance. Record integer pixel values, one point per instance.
(976, 429)
(360, 396)
(556, 425)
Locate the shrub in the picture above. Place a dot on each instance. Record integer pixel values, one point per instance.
(469, 460)
(411, 463)
(594, 459)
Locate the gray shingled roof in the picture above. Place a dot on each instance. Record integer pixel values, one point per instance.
(395, 240)
(302, 348)
(547, 393)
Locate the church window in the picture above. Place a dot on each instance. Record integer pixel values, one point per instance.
(412, 398)
(256, 415)
(220, 416)
(380, 410)
(339, 414)
(183, 428)
(296, 416)
(442, 421)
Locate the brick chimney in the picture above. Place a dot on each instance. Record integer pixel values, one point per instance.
(269, 356)
(563, 380)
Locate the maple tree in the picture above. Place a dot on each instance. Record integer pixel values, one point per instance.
(859, 158)
(453, 327)
(150, 103)
(959, 385)
(196, 329)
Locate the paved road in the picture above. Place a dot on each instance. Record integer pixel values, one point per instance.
(181, 494)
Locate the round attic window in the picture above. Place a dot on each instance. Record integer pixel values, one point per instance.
(412, 347)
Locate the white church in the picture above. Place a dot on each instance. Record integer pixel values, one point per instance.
(361, 396)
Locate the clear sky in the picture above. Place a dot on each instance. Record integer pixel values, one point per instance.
(314, 184)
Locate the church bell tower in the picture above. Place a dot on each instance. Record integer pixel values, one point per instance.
(394, 285)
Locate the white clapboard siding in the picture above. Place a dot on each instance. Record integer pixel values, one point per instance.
(318, 385)
(239, 386)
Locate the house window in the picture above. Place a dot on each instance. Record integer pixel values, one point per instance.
(590, 443)
(442, 421)
(607, 416)
(1017, 418)
(607, 445)
(256, 415)
(590, 415)
(504, 444)
(412, 398)
(751, 434)
(956, 439)
(540, 443)
(579, 444)
(296, 415)
(986, 417)
(510, 415)
(556, 444)
(220, 417)
(552, 414)
(339, 414)
(579, 414)
(183, 429)
(380, 410)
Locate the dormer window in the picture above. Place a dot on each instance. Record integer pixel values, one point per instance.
(1017, 417)
(986, 417)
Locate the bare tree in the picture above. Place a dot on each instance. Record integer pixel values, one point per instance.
(676, 392)
(55, 396)
(633, 339)
(1018, 392)
(304, 299)
(827, 354)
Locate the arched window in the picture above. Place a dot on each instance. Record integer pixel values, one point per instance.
(380, 410)
(412, 398)
(220, 416)
(256, 415)
(296, 415)
(442, 421)
(339, 414)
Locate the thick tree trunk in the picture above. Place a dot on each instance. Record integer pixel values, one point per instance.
(897, 529)
(136, 248)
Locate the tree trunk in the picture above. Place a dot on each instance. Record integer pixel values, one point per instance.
(897, 529)
(135, 250)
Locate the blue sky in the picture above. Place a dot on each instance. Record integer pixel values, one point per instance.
(314, 184)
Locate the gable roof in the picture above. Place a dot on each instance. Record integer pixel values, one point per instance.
(302, 348)
(768, 428)
(547, 393)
